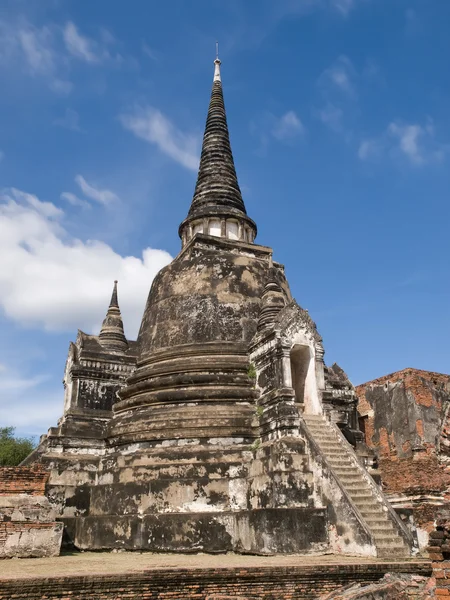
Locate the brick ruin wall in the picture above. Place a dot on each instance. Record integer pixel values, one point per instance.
(406, 420)
(23, 480)
(269, 583)
(27, 521)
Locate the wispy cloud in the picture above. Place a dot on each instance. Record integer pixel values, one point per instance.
(49, 51)
(338, 91)
(46, 209)
(74, 200)
(34, 50)
(149, 52)
(154, 127)
(288, 126)
(331, 116)
(103, 196)
(341, 76)
(37, 46)
(9, 382)
(415, 143)
(70, 120)
(81, 46)
(267, 127)
(343, 6)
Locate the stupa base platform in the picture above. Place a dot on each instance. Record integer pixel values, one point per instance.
(145, 576)
(268, 531)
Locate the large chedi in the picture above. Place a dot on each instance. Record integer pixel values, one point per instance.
(220, 428)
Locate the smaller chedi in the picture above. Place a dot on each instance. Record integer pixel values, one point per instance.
(219, 429)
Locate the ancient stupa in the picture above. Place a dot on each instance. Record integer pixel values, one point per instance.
(220, 429)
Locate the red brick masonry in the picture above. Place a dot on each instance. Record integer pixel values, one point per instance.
(252, 583)
(23, 480)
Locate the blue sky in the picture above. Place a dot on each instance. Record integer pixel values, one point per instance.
(339, 119)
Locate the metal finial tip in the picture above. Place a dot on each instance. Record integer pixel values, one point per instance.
(217, 50)
(115, 281)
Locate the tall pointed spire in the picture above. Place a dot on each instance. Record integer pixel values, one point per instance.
(112, 336)
(217, 197)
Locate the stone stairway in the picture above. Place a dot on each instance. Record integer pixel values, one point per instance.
(371, 507)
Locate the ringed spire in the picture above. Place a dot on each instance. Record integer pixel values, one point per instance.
(217, 207)
(112, 335)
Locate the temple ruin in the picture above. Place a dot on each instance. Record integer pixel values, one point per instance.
(221, 428)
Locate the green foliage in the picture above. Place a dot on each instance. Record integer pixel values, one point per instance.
(256, 444)
(13, 449)
(251, 372)
(259, 410)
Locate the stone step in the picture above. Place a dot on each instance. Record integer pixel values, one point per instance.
(377, 521)
(387, 540)
(344, 463)
(349, 478)
(383, 527)
(393, 554)
(332, 444)
(360, 496)
(363, 498)
(364, 505)
(372, 513)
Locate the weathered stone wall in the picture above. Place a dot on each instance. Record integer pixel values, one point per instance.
(277, 583)
(405, 417)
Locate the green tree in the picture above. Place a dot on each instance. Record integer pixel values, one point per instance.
(13, 449)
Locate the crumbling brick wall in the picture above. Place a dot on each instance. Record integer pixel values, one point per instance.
(305, 582)
(439, 552)
(23, 480)
(27, 521)
(406, 419)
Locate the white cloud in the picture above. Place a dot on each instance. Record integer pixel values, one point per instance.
(409, 140)
(61, 86)
(48, 51)
(343, 6)
(37, 47)
(266, 126)
(10, 383)
(47, 209)
(74, 200)
(152, 126)
(52, 281)
(340, 76)
(70, 120)
(288, 126)
(331, 116)
(82, 47)
(414, 142)
(104, 196)
(149, 52)
(368, 149)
